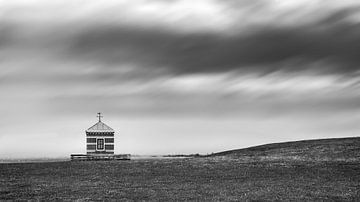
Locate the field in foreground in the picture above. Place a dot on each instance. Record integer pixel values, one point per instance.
(221, 177)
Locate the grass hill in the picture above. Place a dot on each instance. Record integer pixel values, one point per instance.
(314, 170)
(335, 149)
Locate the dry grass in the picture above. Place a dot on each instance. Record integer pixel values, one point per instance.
(182, 179)
(222, 177)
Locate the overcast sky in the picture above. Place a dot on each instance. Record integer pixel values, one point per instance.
(176, 76)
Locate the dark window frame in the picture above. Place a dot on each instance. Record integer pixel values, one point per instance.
(100, 144)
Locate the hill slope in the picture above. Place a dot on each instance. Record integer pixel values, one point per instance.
(335, 149)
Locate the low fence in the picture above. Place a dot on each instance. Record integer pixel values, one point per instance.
(99, 157)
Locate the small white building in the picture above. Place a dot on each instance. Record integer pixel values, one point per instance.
(100, 138)
(100, 144)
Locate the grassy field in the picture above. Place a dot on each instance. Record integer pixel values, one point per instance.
(225, 176)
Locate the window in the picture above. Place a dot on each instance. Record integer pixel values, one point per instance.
(100, 144)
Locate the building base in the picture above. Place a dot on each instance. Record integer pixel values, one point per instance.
(99, 157)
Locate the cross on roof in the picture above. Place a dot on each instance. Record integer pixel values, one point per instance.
(99, 116)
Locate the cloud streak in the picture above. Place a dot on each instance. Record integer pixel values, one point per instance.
(255, 66)
(293, 37)
(266, 50)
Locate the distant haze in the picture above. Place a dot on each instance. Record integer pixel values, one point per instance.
(176, 76)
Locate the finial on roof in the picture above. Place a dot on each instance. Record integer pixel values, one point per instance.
(99, 116)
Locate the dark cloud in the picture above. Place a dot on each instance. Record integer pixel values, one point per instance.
(6, 32)
(334, 40)
(136, 60)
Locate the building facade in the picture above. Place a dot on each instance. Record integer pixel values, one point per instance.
(100, 138)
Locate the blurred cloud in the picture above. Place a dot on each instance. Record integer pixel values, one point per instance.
(292, 62)
(177, 38)
(261, 51)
